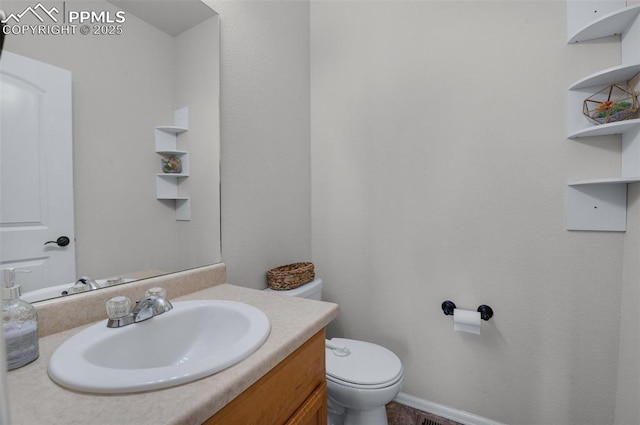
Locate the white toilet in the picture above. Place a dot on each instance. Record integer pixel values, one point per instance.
(361, 377)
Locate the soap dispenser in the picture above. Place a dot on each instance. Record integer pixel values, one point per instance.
(19, 323)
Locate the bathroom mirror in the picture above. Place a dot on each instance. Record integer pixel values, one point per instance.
(135, 66)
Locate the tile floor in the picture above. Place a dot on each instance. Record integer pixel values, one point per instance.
(399, 414)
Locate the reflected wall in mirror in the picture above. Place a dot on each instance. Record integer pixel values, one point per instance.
(125, 82)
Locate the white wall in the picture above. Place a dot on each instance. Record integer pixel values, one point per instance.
(265, 131)
(439, 164)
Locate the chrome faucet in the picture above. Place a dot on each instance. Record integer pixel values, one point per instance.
(88, 282)
(84, 283)
(150, 306)
(153, 304)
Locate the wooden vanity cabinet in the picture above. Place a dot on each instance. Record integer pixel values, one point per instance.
(314, 410)
(292, 393)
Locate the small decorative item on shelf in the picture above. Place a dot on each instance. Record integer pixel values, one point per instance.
(290, 276)
(616, 102)
(171, 164)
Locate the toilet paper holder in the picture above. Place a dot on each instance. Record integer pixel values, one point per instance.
(485, 311)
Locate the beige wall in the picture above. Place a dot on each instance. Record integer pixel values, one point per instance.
(439, 164)
(197, 59)
(266, 187)
(124, 86)
(628, 385)
(412, 206)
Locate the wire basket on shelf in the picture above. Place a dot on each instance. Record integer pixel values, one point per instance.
(613, 103)
(290, 276)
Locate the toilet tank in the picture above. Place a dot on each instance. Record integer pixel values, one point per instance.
(311, 290)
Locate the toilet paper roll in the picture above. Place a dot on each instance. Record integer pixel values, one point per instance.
(466, 321)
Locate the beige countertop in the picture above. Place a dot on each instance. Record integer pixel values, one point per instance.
(36, 399)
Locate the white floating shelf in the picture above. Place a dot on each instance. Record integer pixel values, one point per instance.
(610, 24)
(172, 152)
(167, 186)
(183, 208)
(184, 159)
(601, 204)
(606, 181)
(166, 140)
(597, 207)
(172, 175)
(172, 129)
(619, 127)
(611, 75)
(578, 125)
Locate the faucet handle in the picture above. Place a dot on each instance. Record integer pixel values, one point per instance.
(157, 292)
(118, 307)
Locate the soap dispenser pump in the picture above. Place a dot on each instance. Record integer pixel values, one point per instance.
(19, 323)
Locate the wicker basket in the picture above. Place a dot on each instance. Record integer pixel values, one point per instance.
(616, 102)
(290, 276)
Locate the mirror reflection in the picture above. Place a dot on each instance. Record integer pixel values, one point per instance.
(88, 119)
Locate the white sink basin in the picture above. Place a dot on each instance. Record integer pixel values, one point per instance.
(194, 340)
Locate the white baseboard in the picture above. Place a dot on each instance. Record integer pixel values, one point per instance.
(443, 411)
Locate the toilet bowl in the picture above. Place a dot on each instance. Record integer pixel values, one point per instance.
(361, 377)
(363, 381)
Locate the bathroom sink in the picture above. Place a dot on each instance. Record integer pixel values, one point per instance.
(194, 340)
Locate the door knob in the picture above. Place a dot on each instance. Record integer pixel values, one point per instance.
(61, 241)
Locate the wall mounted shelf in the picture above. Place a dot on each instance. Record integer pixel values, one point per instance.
(167, 184)
(620, 127)
(610, 180)
(577, 125)
(601, 204)
(607, 76)
(605, 25)
(597, 206)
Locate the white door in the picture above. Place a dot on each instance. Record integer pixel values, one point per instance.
(36, 171)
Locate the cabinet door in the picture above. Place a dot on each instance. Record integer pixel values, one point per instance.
(278, 396)
(314, 409)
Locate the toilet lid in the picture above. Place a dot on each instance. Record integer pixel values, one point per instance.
(367, 364)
